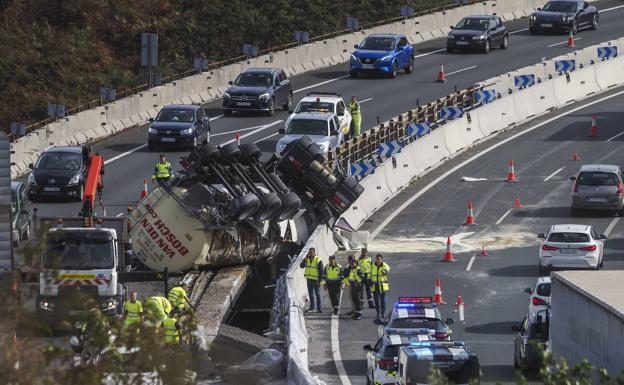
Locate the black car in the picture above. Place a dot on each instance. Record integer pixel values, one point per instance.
(563, 16)
(20, 209)
(532, 333)
(179, 125)
(258, 89)
(478, 33)
(59, 173)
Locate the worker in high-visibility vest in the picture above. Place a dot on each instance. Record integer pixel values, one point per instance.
(354, 277)
(156, 309)
(356, 117)
(162, 170)
(171, 328)
(313, 274)
(380, 285)
(365, 264)
(178, 297)
(133, 311)
(332, 281)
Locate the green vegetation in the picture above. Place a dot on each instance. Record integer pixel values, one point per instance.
(57, 51)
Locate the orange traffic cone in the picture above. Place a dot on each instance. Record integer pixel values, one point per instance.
(571, 39)
(448, 256)
(511, 173)
(441, 75)
(144, 192)
(594, 128)
(437, 296)
(470, 220)
(484, 252)
(517, 204)
(460, 306)
(575, 156)
(237, 137)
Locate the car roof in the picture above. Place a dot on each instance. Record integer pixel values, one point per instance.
(541, 280)
(74, 149)
(600, 167)
(479, 17)
(314, 115)
(261, 69)
(569, 227)
(180, 107)
(322, 98)
(385, 35)
(418, 311)
(402, 338)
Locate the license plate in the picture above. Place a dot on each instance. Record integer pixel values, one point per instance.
(167, 139)
(547, 25)
(596, 199)
(567, 251)
(462, 43)
(52, 189)
(246, 104)
(368, 66)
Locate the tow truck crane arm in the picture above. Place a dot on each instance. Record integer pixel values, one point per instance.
(93, 187)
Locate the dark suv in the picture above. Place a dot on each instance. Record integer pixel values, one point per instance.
(180, 125)
(59, 172)
(258, 89)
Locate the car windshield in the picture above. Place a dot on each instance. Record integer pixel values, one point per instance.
(308, 127)
(473, 23)
(597, 178)
(175, 115)
(253, 79)
(378, 43)
(59, 161)
(569, 237)
(560, 6)
(417, 323)
(78, 254)
(113, 361)
(543, 290)
(315, 106)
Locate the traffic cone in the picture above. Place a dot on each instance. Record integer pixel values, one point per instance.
(144, 192)
(484, 252)
(437, 295)
(594, 128)
(237, 137)
(511, 173)
(571, 39)
(448, 256)
(441, 75)
(470, 220)
(460, 306)
(517, 204)
(575, 156)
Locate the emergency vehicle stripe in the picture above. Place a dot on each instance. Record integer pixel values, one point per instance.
(395, 339)
(430, 313)
(425, 354)
(422, 337)
(402, 313)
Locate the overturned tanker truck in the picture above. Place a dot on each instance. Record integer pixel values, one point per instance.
(228, 208)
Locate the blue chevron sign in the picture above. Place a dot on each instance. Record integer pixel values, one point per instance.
(521, 81)
(565, 65)
(485, 96)
(363, 168)
(607, 52)
(450, 113)
(418, 129)
(386, 150)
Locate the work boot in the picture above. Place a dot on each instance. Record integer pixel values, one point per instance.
(351, 312)
(357, 316)
(319, 311)
(335, 311)
(371, 305)
(310, 310)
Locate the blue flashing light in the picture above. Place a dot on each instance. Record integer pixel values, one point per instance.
(418, 344)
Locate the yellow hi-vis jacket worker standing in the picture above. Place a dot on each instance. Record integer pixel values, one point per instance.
(134, 311)
(171, 330)
(162, 170)
(379, 277)
(356, 116)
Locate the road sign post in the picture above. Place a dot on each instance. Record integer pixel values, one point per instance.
(149, 53)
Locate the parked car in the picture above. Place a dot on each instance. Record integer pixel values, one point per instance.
(417, 315)
(323, 128)
(59, 172)
(478, 33)
(260, 90)
(532, 332)
(571, 247)
(598, 187)
(179, 125)
(20, 208)
(324, 102)
(563, 16)
(540, 295)
(382, 54)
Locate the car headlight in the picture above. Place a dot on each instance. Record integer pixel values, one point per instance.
(108, 305)
(354, 58)
(152, 130)
(386, 58)
(31, 179)
(226, 95)
(46, 305)
(264, 97)
(480, 37)
(187, 131)
(74, 180)
(532, 17)
(567, 19)
(450, 36)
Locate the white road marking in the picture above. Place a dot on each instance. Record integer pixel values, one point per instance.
(553, 174)
(502, 218)
(366, 100)
(472, 259)
(267, 137)
(114, 158)
(461, 70)
(320, 84)
(215, 118)
(611, 9)
(234, 131)
(518, 30)
(429, 53)
(264, 127)
(426, 188)
(335, 347)
(613, 137)
(120, 214)
(611, 226)
(563, 42)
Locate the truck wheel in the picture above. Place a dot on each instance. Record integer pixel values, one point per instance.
(244, 207)
(250, 151)
(210, 151)
(270, 207)
(291, 203)
(279, 184)
(231, 151)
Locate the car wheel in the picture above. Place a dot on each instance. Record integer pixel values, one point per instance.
(353, 74)
(594, 24)
(286, 106)
(410, 66)
(150, 147)
(505, 42)
(80, 195)
(532, 31)
(206, 139)
(486, 48)
(574, 27)
(449, 49)
(271, 110)
(227, 112)
(395, 69)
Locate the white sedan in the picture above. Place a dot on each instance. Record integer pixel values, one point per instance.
(324, 102)
(570, 247)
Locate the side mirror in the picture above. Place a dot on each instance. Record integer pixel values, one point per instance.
(128, 257)
(76, 344)
(230, 82)
(450, 321)
(367, 347)
(282, 131)
(341, 113)
(541, 236)
(380, 331)
(333, 132)
(395, 359)
(127, 246)
(452, 27)
(602, 236)
(528, 290)
(31, 166)
(356, 46)
(515, 328)
(585, 5)
(539, 8)
(150, 119)
(572, 178)
(539, 319)
(290, 110)
(285, 82)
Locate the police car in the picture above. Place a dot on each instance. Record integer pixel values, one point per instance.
(417, 313)
(381, 360)
(324, 102)
(454, 359)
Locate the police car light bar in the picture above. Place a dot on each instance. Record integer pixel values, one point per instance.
(437, 343)
(411, 302)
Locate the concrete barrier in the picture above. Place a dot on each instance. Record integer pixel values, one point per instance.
(575, 85)
(535, 100)
(610, 73)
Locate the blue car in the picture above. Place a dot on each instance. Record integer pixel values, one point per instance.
(382, 54)
(178, 125)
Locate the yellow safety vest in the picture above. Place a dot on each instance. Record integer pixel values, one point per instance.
(332, 274)
(365, 266)
(177, 296)
(134, 311)
(159, 305)
(379, 276)
(171, 331)
(353, 275)
(311, 268)
(354, 108)
(162, 170)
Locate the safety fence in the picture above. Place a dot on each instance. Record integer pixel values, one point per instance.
(458, 122)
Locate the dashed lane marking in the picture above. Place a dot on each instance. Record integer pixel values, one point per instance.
(461, 70)
(335, 347)
(613, 137)
(611, 226)
(553, 174)
(563, 42)
(472, 259)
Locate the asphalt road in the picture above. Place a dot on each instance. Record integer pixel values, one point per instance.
(129, 162)
(413, 243)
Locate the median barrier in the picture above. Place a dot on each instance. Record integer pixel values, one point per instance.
(575, 85)
(610, 73)
(497, 115)
(398, 172)
(535, 100)
(459, 134)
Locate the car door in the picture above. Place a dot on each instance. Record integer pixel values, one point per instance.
(343, 115)
(582, 9)
(502, 30)
(337, 139)
(285, 83)
(279, 90)
(404, 52)
(493, 32)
